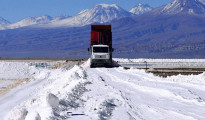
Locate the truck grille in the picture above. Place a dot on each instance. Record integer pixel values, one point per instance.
(100, 56)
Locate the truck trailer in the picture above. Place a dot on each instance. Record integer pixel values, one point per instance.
(101, 46)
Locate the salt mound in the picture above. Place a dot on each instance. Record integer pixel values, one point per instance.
(14, 70)
(33, 116)
(52, 100)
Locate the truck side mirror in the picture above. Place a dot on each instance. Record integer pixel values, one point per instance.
(88, 49)
(112, 49)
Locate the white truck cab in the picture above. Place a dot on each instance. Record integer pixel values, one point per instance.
(100, 55)
(100, 52)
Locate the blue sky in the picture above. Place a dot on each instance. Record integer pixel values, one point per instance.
(15, 10)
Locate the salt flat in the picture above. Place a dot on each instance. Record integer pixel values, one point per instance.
(104, 93)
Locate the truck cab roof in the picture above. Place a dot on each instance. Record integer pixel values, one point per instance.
(100, 46)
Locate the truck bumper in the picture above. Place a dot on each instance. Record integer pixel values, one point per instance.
(101, 63)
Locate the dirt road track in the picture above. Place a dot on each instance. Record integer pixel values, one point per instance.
(17, 82)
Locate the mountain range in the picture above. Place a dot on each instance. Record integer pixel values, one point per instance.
(101, 13)
(170, 31)
(32, 21)
(175, 30)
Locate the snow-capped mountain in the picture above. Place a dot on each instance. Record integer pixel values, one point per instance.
(141, 9)
(99, 14)
(3, 21)
(31, 21)
(184, 6)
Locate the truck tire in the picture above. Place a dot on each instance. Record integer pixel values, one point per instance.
(92, 66)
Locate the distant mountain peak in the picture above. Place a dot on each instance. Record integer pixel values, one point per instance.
(34, 20)
(100, 13)
(107, 5)
(141, 9)
(184, 6)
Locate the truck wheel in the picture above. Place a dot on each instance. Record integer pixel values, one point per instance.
(109, 66)
(91, 66)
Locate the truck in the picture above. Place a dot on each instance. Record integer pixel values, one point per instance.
(101, 46)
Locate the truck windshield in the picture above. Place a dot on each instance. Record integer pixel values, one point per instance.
(100, 49)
